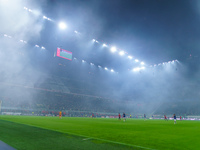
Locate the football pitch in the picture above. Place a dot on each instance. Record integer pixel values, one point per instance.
(34, 132)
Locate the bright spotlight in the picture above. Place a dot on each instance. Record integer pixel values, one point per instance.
(121, 53)
(93, 40)
(83, 61)
(44, 17)
(5, 35)
(76, 31)
(136, 60)
(25, 8)
(106, 68)
(172, 61)
(142, 68)
(130, 57)
(136, 69)
(97, 41)
(37, 46)
(62, 25)
(142, 63)
(30, 10)
(113, 49)
(21, 41)
(91, 64)
(112, 70)
(42, 47)
(104, 45)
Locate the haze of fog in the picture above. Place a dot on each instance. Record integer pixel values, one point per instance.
(22, 66)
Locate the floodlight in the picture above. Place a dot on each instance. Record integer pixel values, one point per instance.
(155, 65)
(76, 31)
(42, 47)
(91, 64)
(49, 19)
(21, 41)
(44, 17)
(62, 25)
(5, 35)
(112, 70)
(104, 45)
(142, 68)
(106, 68)
(172, 61)
(25, 42)
(25, 8)
(97, 41)
(83, 61)
(30, 10)
(136, 60)
(136, 69)
(121, 53)
(130, 57)
(37, 46)
(113, 49)
(142, 63)
(93, 40)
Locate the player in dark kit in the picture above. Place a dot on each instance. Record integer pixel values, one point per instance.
(174, 118)
(124, 117)
(144, 117)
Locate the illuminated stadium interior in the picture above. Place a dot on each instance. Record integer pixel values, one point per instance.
(87, 57)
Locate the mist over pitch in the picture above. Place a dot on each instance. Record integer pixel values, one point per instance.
(22, 65)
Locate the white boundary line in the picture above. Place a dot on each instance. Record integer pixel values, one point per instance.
(87, 137)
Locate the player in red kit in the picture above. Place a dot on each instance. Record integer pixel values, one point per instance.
(119, 116)
(165, 117)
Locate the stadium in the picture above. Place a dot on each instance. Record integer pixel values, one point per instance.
(99, 74)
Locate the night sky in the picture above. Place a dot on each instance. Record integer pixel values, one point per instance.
(155, 31)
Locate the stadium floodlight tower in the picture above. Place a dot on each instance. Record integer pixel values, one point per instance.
(62, 25)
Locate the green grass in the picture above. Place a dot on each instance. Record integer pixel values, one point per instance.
(29, 132)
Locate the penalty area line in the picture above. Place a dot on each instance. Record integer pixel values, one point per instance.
(86, 137)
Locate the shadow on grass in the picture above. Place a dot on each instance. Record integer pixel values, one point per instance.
(24, 137)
